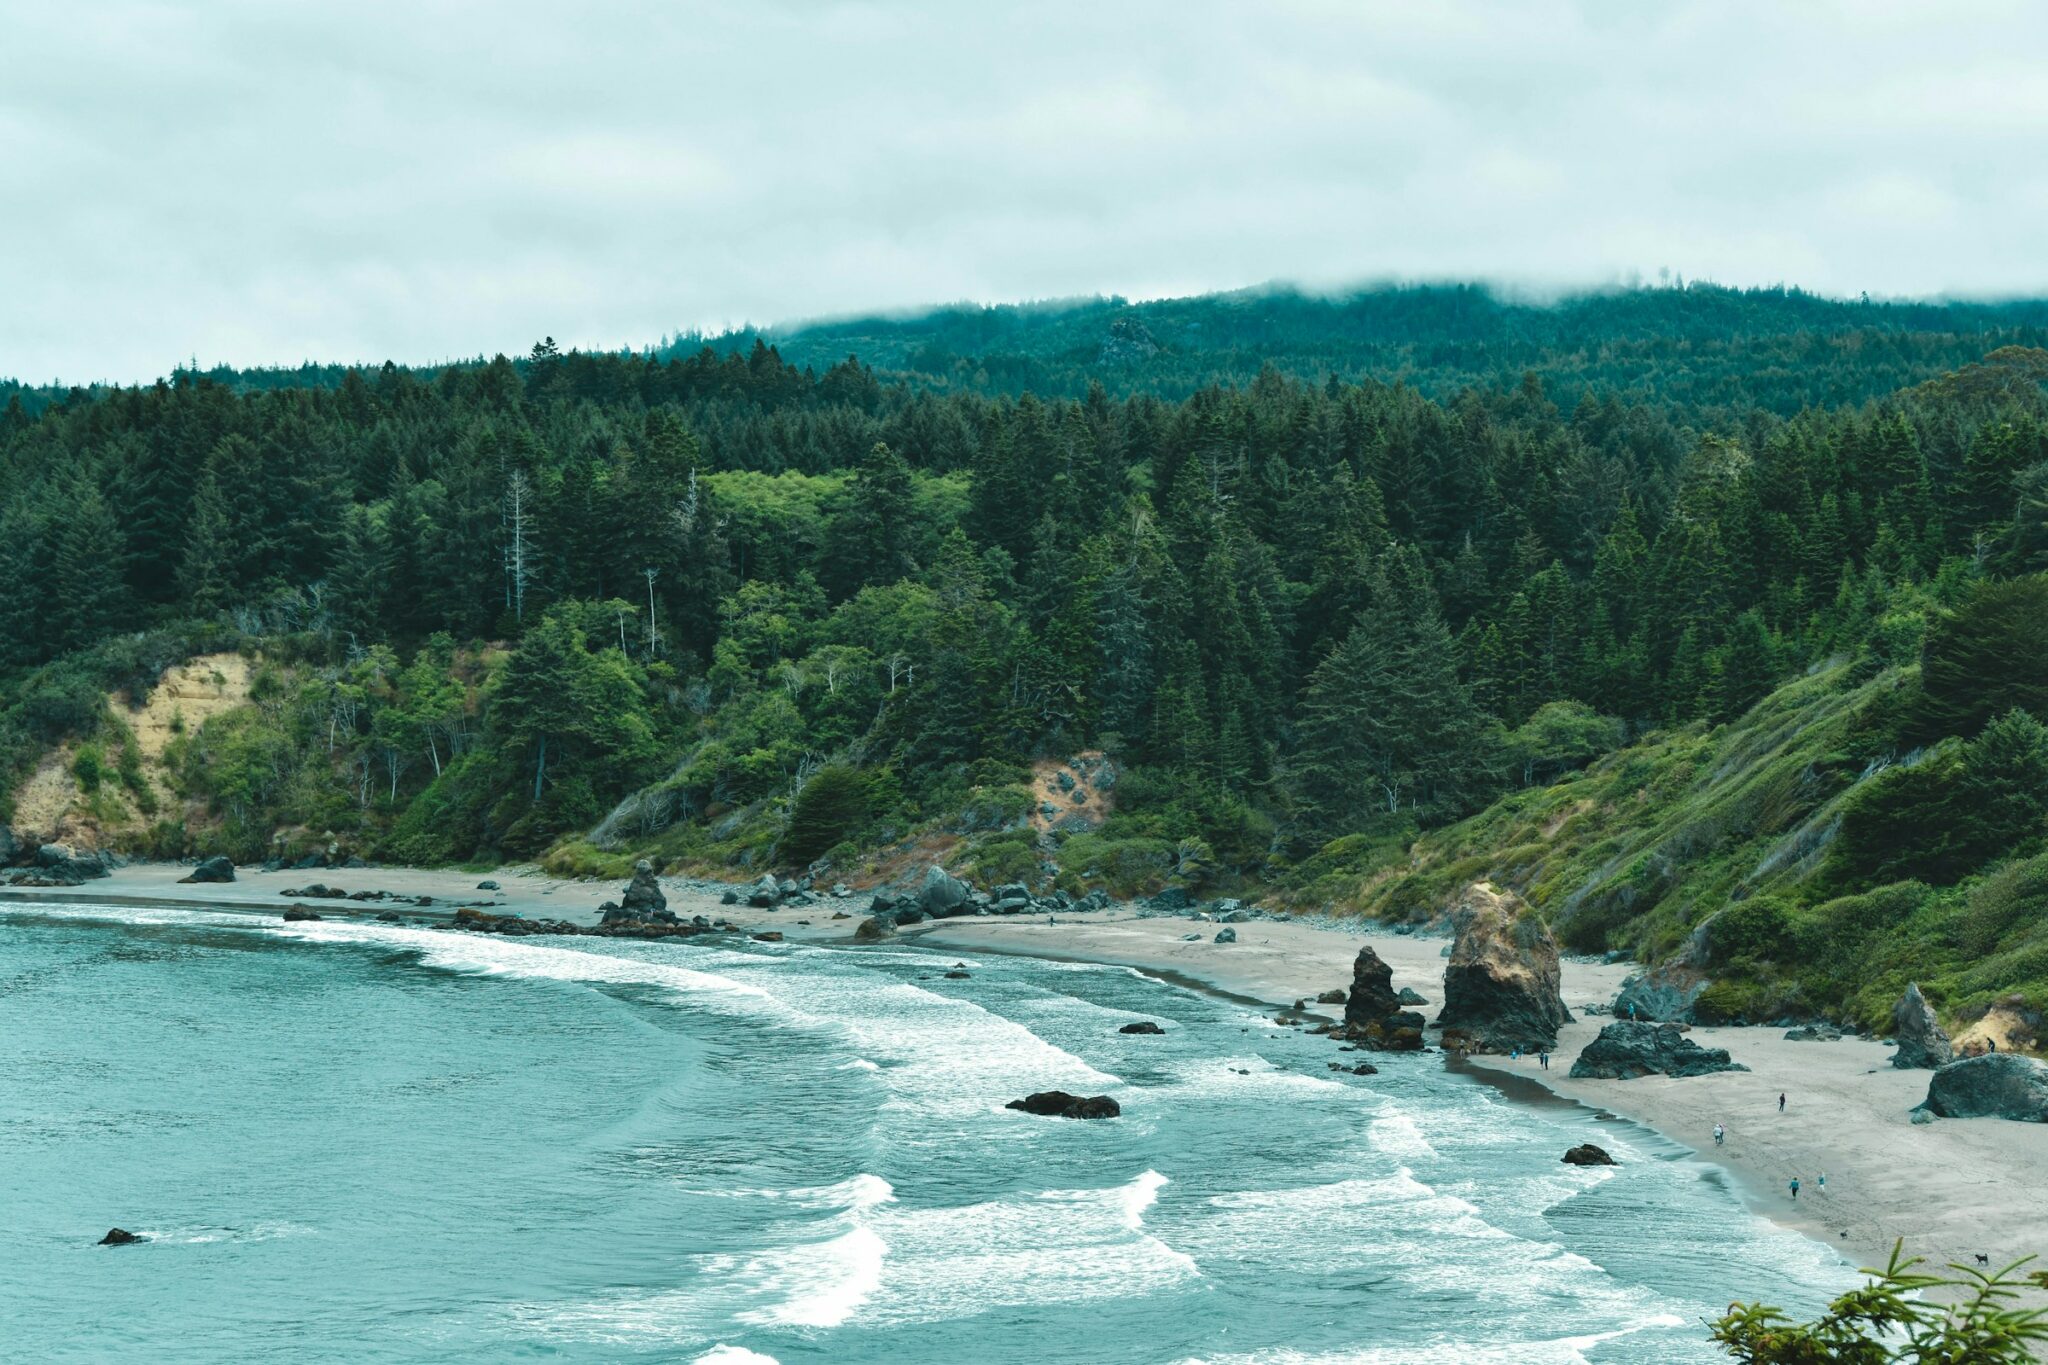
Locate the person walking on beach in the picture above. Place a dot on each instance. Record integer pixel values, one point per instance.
(1795, 1189)
(1720, 1134)
(1515, 1056)
(1543, 1059)
(1781, 1101)
(1823, 1182)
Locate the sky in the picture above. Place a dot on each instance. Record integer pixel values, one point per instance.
(248, 182)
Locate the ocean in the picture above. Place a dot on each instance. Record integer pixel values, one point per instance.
(358, 1142)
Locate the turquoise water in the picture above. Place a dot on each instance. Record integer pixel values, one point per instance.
(371, 1143)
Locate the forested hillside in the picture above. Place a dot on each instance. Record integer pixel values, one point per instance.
(741, 612)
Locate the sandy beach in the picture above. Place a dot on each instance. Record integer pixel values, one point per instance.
(1952, 1189)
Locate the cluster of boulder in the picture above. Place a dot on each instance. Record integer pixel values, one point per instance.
(1375, 1016)
(512, 926)
(1061, 1105)
(320, 891)
(49, 865)
(214, 869)
(1628, 1048)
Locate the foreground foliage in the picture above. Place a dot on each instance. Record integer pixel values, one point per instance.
(1972, 1320)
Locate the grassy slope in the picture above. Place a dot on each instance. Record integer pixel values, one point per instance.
(1642, 849)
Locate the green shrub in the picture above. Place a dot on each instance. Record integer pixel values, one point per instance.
(88, 766)
(832, 805)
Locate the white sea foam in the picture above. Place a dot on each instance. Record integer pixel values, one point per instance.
(1400, 1137)
(722, 1354)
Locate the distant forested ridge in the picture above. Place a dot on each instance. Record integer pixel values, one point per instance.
(1320, 576)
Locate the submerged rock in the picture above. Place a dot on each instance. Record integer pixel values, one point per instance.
(768, 936)
(214, 869)
(121, 1237)
(1922, 1044)
(1501, 985)
(1627, 1049)
(1586, 1154)
(1998, 1085)
(1060, 1104)
(1142, 1026)
(295, 913)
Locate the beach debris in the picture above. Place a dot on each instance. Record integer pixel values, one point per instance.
(1629, 1048)
(1997, 1085)
(214, 869)
(1922, 1044)
(1586, 1154)
(1501, 986)
(1142, 1026)
(121, 1237)
(1060, 1104)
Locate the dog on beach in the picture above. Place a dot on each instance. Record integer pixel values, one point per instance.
(1982, 1259)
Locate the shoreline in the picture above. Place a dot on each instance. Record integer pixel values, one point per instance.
(1951, 1190)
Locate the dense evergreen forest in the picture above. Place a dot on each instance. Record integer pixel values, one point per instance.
(1335, 584)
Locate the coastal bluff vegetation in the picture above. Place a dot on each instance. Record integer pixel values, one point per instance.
(1712, 623)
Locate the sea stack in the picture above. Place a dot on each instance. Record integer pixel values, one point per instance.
(1922, 1044)
(1373, 1013)
(1501, 985)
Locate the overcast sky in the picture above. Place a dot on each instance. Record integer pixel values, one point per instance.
(254, 182)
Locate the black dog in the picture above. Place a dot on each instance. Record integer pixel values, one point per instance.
(1983, 1260)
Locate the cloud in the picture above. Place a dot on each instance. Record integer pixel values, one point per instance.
(254, 183)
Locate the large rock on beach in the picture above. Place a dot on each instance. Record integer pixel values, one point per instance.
(1998, 1085)
(873, 929)
(1587, 1154)
(1627, 1049)
(1922, 1044)
(214, 869)
(942, 895)
(1501, 984)
(642, 902)
(1059, 1104)
(294, 914)
(1662, 995)
(1373, 1012)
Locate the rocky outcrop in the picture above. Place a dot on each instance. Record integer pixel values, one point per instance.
(215, 869)
(1922, 1044)
(1060, 1104)
(294, 914)
(54, 865)
(1373, 1013)
(874, 929)
(1142, 1026)
(1586, 1154)
(1501, 984)
(1998, 1085)
(942, 895)
(10, 847)
(121, 1237)
(643, 901)
(766, 893)
(1226, 936)
(1661, 995)
(1627, 1049)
